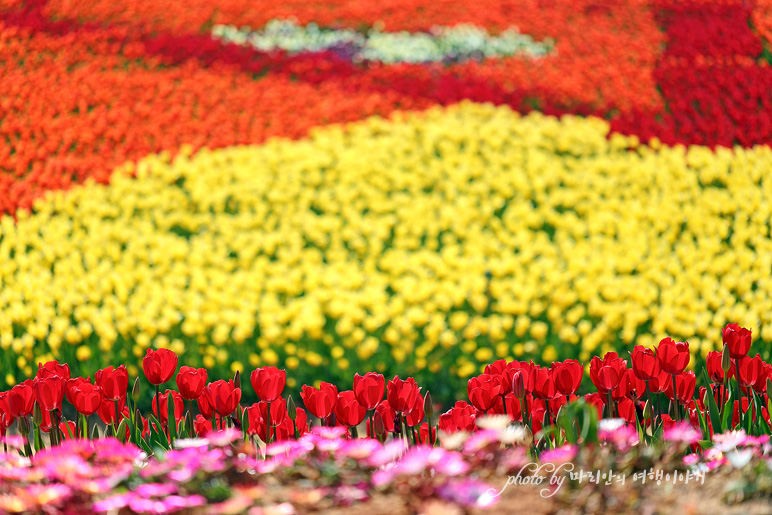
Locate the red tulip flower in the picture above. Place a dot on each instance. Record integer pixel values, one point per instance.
(113, 382)
(348, 411)
(567, 376)
(662, 384)
(21, 399)
(268, 383)
(715, 370)
(70, 385)
(738, 339)
(369, 389)
(424, 435)
(622, 390)
(543, 386)
(179, 407)
(68, 428)
(749, 369)
(201, 426)
(761, 382)
(53, 368)
(223, 396)
(645, 363)
(673, 356)
(499, 368)
(6, 419)
(606, 373)
(685, 384)
(626, 408)
(108, 413)
(87, 398)
(402, 394)
(159, 365)
(387, 415)
(461, 417)
(278, 411)
(637, 386)
(518, 384)
(191, 382)
(527, 371)
(205, 406)
(49, 392)
(483, 391)
(320, 402)
(416, 415)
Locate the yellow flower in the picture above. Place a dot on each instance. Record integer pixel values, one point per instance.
(83, 353)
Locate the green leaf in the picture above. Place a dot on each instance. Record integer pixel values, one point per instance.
(728, 412)
(171, 418)
(713, 411)
(67, 427)
(122, 430)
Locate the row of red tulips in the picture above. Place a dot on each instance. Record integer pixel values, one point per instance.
(523, 391)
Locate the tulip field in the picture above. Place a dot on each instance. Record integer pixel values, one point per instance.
(337, 256)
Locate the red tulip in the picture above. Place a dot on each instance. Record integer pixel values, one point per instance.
(423, 434)
(87, 398)
(369, 389)
(49, 392)
(416, 415)
(191, 382)
(21, 399)
(6, 419)
(527, 372)
(68, 425)
(402, 394)
(53, 368)
(715, 370)
(622, 390)
(202, 426)
(518, 384)
(461, 417)
(673, 356)
(761, 382)
(606, 373)
(223, 396)
(738, 339)
(205, 406)
(483, 391)
(595, 399)
(513, 409)
(499, 368)
(662, 384)
(636, 386)
(320, 402)
(645, 363)
(749, 369)
(387, 414)
(685, 384)
(567, 376)
(159, 365)
(544, 386)
(627, 410)
(348, 411)
(257, 417)
(268, 383)
(113, 382)
(107, 411)
(70, 385)
(179, 406)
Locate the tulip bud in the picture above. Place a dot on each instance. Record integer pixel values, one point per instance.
(237, 379)
(705, 397)
(135, 391)
(428, 407)
(518, 385)
(380, 428)
(24, 425)
(648, 411)
(291, 411)
(37, 415)
(769, 388)
(726, 359)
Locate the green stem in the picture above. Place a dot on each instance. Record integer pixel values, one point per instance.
(675, 399)
(268, 424)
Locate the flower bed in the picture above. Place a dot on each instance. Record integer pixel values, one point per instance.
(257, 456)
(347, 249)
